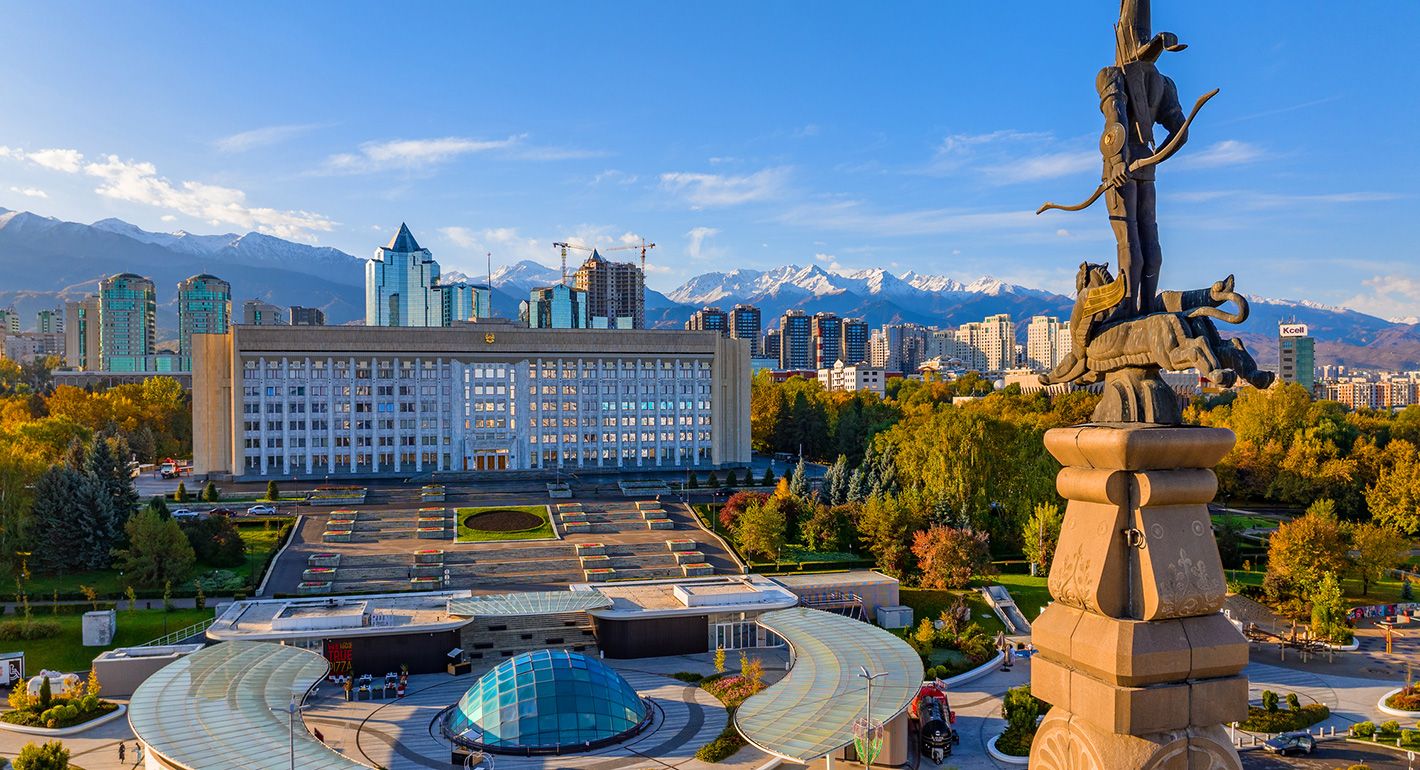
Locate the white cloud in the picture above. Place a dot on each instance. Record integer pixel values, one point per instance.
(168, 218)
(697, 238)
(615, 176)
(262, 137)
(1063, 233)
(1388, 296)
(58, 160)
(139, 182)
(1229, 152)
(829, 260)
(461, 236)
(712, 190)
(423, 153)
(30, 192)
(1039, 167)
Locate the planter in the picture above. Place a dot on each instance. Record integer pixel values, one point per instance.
(599, 575)
(429, 570)
(570, 518)
(319, 574)
(429, 556)
(976, 673)
(432, 533)
(571, 527)
(1384, 709)
(1004, 758)
(697, 570)
(337, 536)
(683, 544)
(590, 549)
(312, 588)
(594, 561)
(568, 507)
(660, 524)
(426, 582)
(434, 511)
(59, 732)
(689, 557)
(323, 560)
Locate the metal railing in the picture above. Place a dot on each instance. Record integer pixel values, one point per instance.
(181, 634)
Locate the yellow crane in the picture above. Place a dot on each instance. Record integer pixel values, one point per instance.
(564, 246)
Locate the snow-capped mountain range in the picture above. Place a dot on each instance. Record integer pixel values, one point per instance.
(45, 261)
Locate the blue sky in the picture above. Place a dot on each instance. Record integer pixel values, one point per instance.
(906, 136)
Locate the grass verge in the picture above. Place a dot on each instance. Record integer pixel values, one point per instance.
(466, 535)
(65, 651)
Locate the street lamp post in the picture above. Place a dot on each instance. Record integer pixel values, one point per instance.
(291, 728)
(869, 743)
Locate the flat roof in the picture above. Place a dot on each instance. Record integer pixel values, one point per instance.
(810, 712)
(528, 603)
(472, 341)
(688, 596)
(343, 616)
(853, 577)
(226, 707)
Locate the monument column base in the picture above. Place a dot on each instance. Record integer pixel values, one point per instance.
(1067, 742)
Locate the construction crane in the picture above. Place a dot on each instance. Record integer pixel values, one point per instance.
(564, 246)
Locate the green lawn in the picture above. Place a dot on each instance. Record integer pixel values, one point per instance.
(1385, 592)
(1245, 522)
(541, 532)
(1029, 592)
(66, 652)
(928, 603)
(260, 535)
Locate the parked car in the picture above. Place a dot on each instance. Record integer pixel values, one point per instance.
(1291, 743)
(225, 512)
(185, 514)
(261, 510)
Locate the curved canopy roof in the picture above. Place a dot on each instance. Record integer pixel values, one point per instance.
(810, 712)
(528, 603)
(226, 707)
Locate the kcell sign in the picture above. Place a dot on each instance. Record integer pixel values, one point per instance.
(1292, 330)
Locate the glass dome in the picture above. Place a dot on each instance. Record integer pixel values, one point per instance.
(546, 701)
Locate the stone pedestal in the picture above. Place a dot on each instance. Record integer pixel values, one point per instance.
(1141, 669)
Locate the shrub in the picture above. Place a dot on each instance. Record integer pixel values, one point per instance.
(1390, 727)
(688, 676)
(732, 480)
(693, 482)
(51, 756)
(46, 694)
(1269, 700)
(209, 492)
(1409, 737)
(768, 479)
(26, 630)
(181, 494)
(1260, 720)
(1293, 702)
(713, 481)
(1408, 699)
(1020, 711)
(723, 747)
(1363, 729)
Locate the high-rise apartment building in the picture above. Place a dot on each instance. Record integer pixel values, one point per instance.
(1048, 341)
(898, 347)
(989, 345)
(827, 331)
(307, 316)
(50, 321)
(9, 321)
(256, 312)
(81, 335)
(853, 347)
(1296, 355)
(204, 307)
(555, 307)
(770, 346)
(402, 285)
(796, 341)
(616, 293)
(464, 301)
(709, 319)
(745, 324)
(128, 312)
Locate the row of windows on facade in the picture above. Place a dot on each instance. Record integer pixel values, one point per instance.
(320, 424)
(342, 463)
(257, 392)
(344, 441)
(341, 369)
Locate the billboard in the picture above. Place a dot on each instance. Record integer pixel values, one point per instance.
(1292, 330)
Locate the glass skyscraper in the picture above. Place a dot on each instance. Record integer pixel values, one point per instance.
(204, 307)
(555, 307)
(128, 311)
(464, 301)
(402, 285)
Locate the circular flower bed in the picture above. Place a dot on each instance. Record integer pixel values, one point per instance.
(503, 520)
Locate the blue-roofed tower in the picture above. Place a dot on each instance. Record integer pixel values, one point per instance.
(402, 285)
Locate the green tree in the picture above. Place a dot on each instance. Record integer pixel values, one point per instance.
(1376, 549)
(46, 693)
(215, 541)
(50, 756)
(713, 481)
(181, 494)
(157, 551)
(159, 505)
(827, 527)
(768, 479)
(799, 482)
(56, 495)
(273, 493)
(949, 558)
(835, 481)
(693, 482)
(1394, 498)
(1304, 549)
(732, 480)
(885, 528)
(210, 493)
(761, 529)
(1020, 710)
(1329, 611)
(107, 463)
(1041, 535)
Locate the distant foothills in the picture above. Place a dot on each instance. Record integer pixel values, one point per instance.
(46, 261)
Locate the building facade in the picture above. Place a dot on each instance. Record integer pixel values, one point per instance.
(853, 347)
(827, 331)
(555, 307)
(988, 346)
(796, 341)
(464, 301)
(256, 312)
(204, 307)
(851, 378)
(128, 312)
(709, 319)
(616, 293)
(1047, 343)
(1296, 355)
(50, 321)
(402, 285)
(81, 335)
(745, 324)
(307, 316)
(317, 401)
(9, 321)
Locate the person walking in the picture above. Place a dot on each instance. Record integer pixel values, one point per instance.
(122, 747)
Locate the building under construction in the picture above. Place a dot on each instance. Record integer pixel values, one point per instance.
(616, 293)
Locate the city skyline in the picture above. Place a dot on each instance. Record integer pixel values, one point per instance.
(847, 172)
